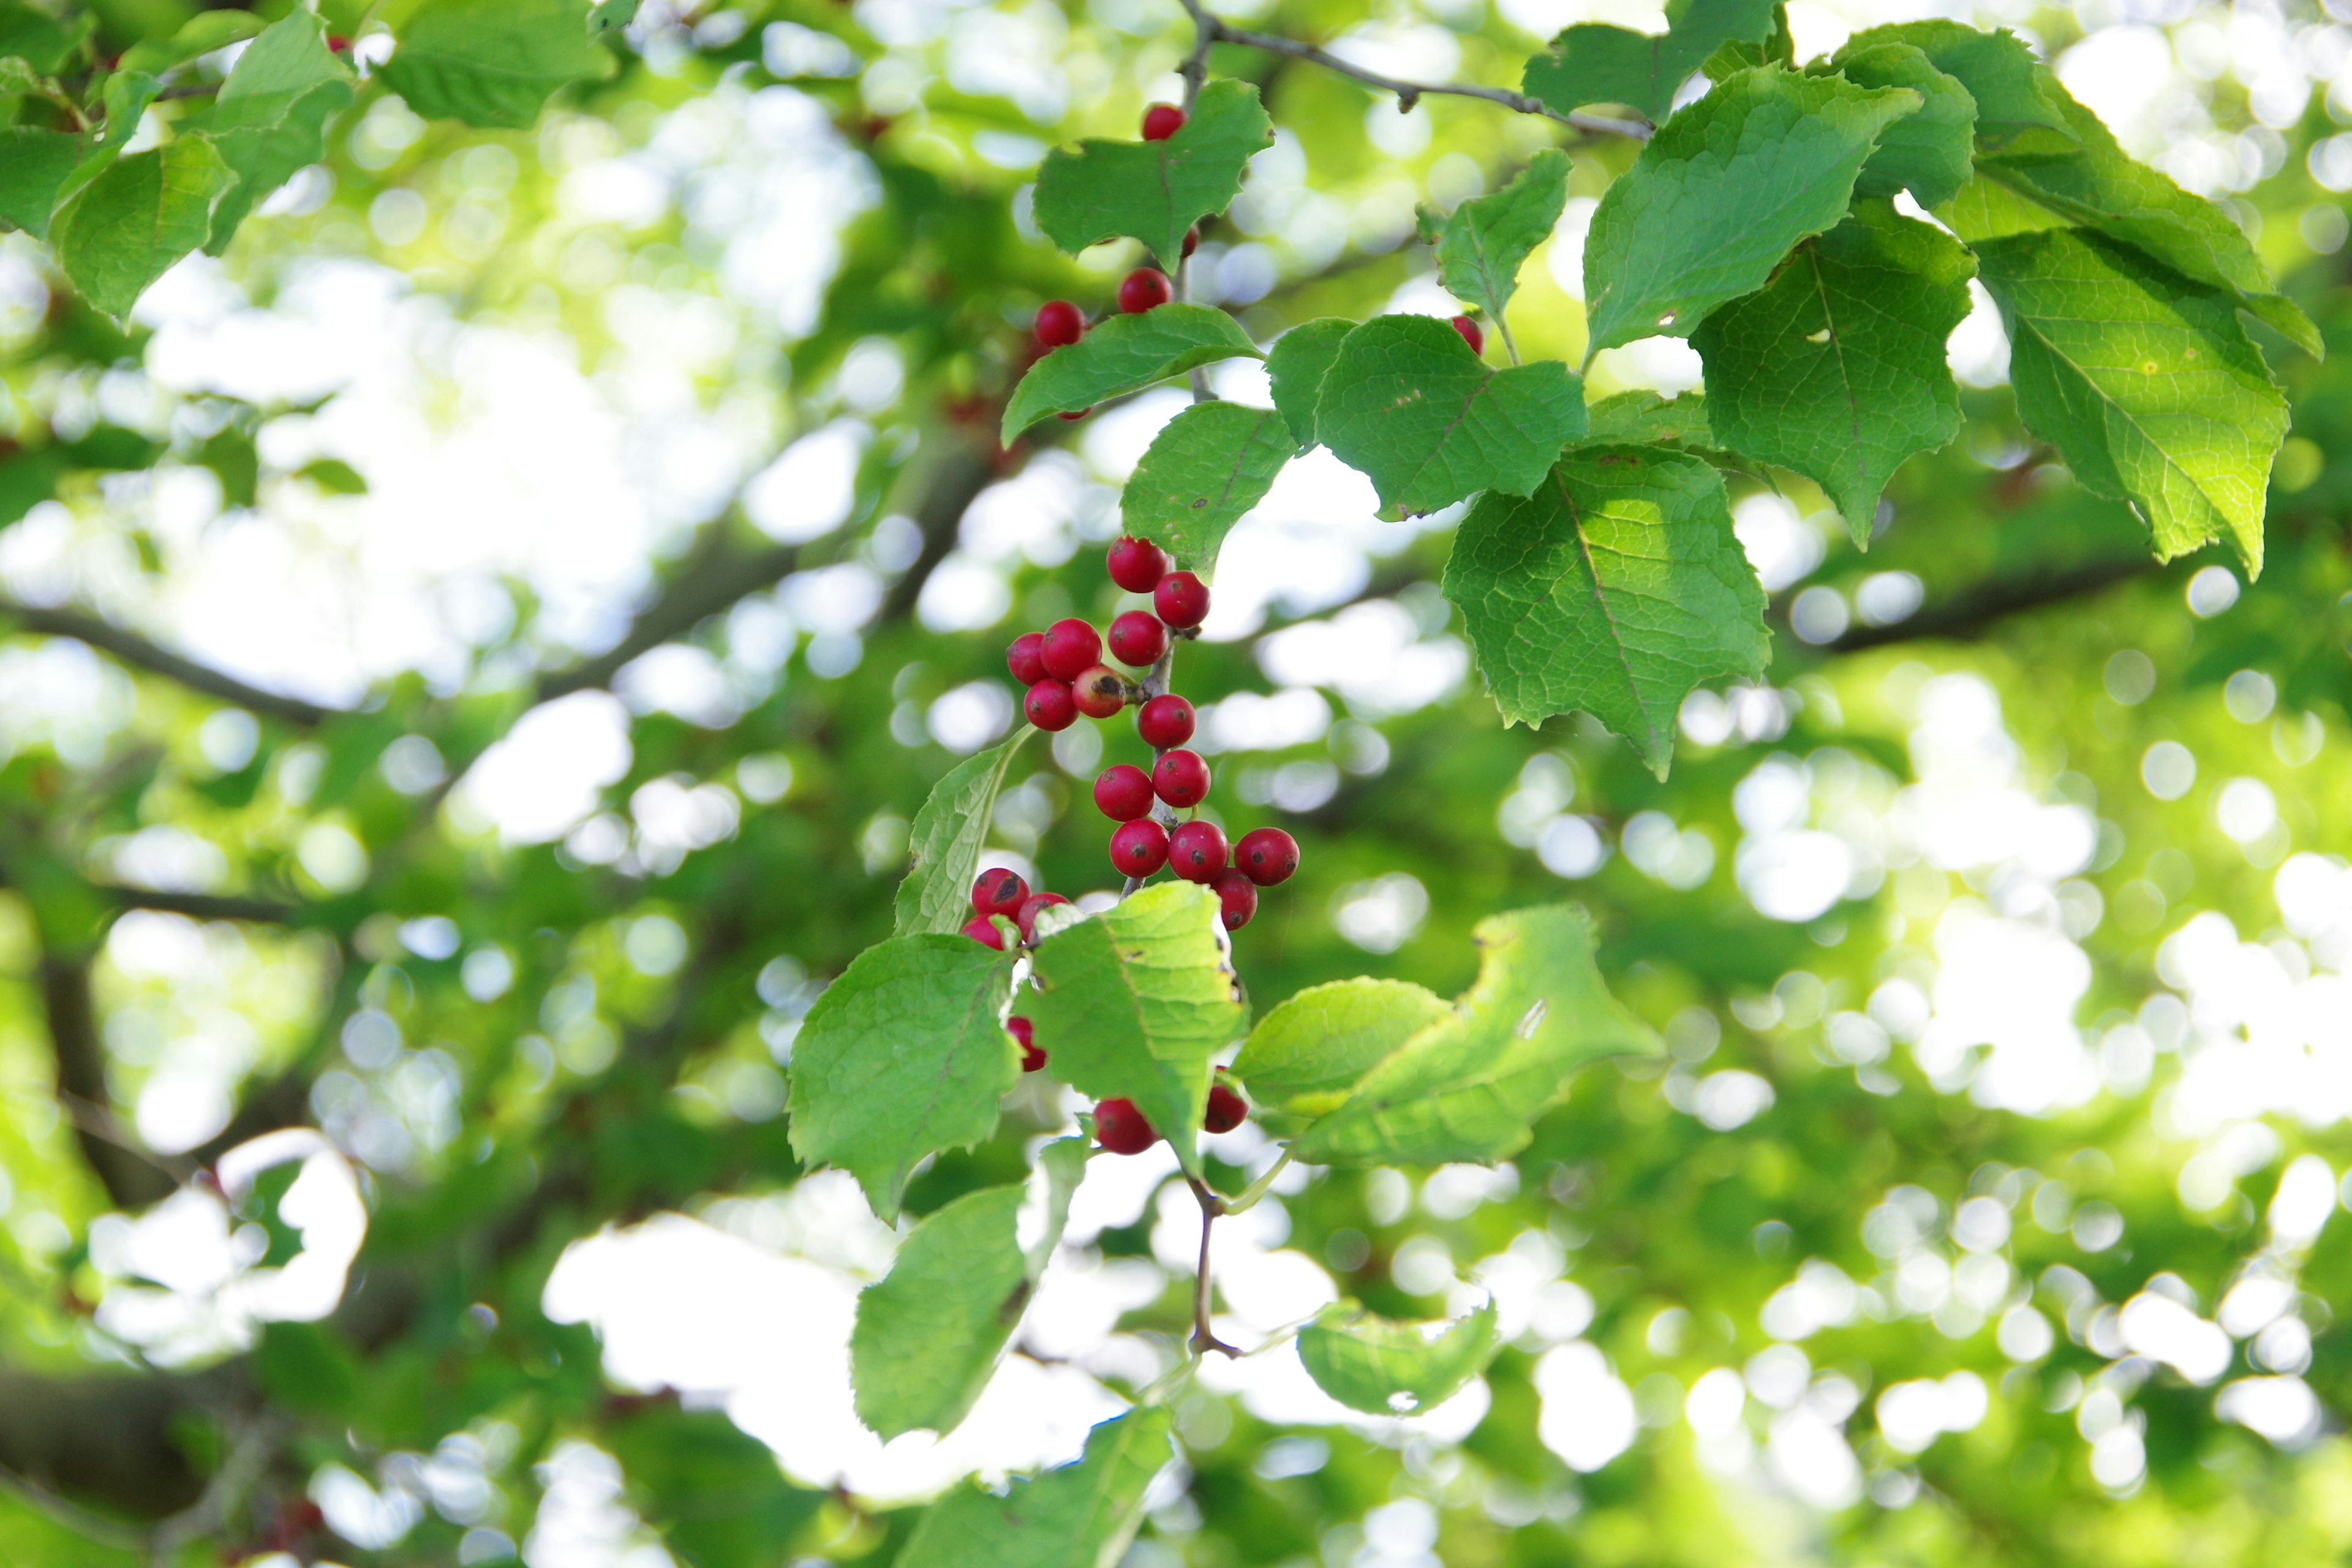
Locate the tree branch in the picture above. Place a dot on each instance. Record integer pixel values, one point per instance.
(717, 580)
(1973, 613)
(136, 650)
(962, 474)
(132, 1177)
(206, 906)
(1204, 1338)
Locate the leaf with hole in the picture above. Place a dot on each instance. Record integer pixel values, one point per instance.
(1383, 1367)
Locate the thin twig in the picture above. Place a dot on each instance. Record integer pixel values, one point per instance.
(133, 649)
(1204, 1338)
(248, 1461)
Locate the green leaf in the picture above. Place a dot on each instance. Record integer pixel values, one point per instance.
(947, 837)
(1595, 63)
(611, 16)
(1154, 191)
(1987, 210)
(1722, 193)
(1135, 1002)
(33, 166)
(200, 35)
(1777, 48)
(1616, 589)
(1642, 419)
(1307, 1055)
(905, 1055)
(126, 228)
(714, 1491)
(2144, 381)
(1124, 354)
(271, 116)
(492, 62)
(1835, 370)
(125, 98)
(1469, 1086)
(39, 39)
(1297, 364)
(1999, 70)
(1081, 1516)
(1409, 406)
(1930, 153)
(1482, 246)
(1207, 466)
(230, 455)
(333, 476)
(1386, 1368)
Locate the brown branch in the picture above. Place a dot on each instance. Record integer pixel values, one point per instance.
(717, 581)
(136, 650)
(1204, 1338)
(962, 474)
(206, 906)
(132, 1177)
(1970, 615)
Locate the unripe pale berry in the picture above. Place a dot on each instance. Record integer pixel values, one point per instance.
(1099, 691)
(1121, 1127)
(1165, 721)
(1139, 847)
(1059, 325)
(982, 929)
(1027, 917)
(1050, 705)
(1236, 900)
(1138, 639)
(1026, 658)
(1227, 1110)
(1266, 855)
(1123, 792)
(1182, 779)
(1472, 333)
(1181, 599)
(998, 891)
(1025, 1034)
(1162, 121)
(1145, 288)
(1138, 564)
(1071, 647)
(1196, 851)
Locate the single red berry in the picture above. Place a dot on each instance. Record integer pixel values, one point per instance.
(1071, 647)
(1059, 325)
(999, 892)
(1196, 851)
(1074, 418)
(1026, 658)
(1165, 721)
(1138, 564)
(1123, 1129)
(337, 44)
(1138, 639)
(982, 929)
(1050, 705)
(1182, 779)
(1183, 600)
(1162, 121)
(1145, 288)
(1025, 1034)
(1472, 333)
(1192, 240)
(1099, 691)
(1266, 855)
(1026, 918)
(1236, 900)
(1124, 792)
(1227, 1110)
(1139, 847)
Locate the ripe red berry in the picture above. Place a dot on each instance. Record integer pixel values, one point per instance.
(1182, 779)
(1138, 564)
(1099, 691)
(337, 44)
(1472, 333)
(1124, 792)
(1059, 325)
(982, 929)
(1165, 721)
(999, 892)
(1050, 705)
(1192, 240)
(1074, 418)
(1027, 917)
(1123, 1129)
(1267, 855)
(1183, 600)
(1196, 851)
(1162, 121)
(1139, 847)
(1026, 658)
(1236, 900)
(1145, 288)
(1071, 647)
(1227, 1110)
(1025, 1034)
(1138, 639)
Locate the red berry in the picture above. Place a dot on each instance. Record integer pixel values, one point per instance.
(1071, 647)
(1236, 900)
(1124, 792)
(1138, 639)
(1165, 721)
(1191, 239)
(999, 892)
(1266, 855)
(1099, 691)
(1027, 919)
(1227, 1110)
(1139, 847)
(982, 929)
(1025, 1034)
(337, 44)
(1182, 779)
(1145, 288)
(1074, 418)
(1050, 705)
(1122, 1129)
(1196, 851)
(1162, 121)
(1472, 333)
(1059, 325)
(1183, 600)
(1138, 564)
(1026, 658)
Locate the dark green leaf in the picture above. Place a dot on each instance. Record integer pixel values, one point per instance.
(1154, 191)
(41, 41)
(231, 457)
(1930, 153)
(199, 35)
(1999, 69)
(1297, 363)
(1124, 354)
(33, 166)
(1386, 1368)
(1207, 466)
(713, 1490)
(126, 228)
(1482, 246)
(1081, 1516)
(1307, 1055)
(492, 62)
(948, 836)
(1595, 63)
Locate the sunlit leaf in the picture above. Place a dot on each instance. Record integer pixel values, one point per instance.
(1081, 1516)
(1386, 1368)
(1205, 468)
(1154, 191)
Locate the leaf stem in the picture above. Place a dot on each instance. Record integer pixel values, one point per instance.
(1204, 1340)
(1509, 347)
(1259, 1188)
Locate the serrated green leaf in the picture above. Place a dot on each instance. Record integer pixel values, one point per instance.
(1297, 364)
(2144, 381)
(125, 98)
(1081, 1516)
(1154, 191)
(128, 226)
(1125, 353)
(1835, 370)
(905, 1055)
(34, 166)
(1205, 468)
(948, 836)
(1984, 209)
(271, 116)
(1307, 1055)
(1930, 153)
(1777, 48)
(1999, 70)
(1136, 1001)
(199, 35)
(492, 62)
(1407, 404)
(1616, 589)
(1386, 1368)
(1482, 246)
(1642, 418)
(1596, 63)
(1471, 1085)
(1722, 193)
